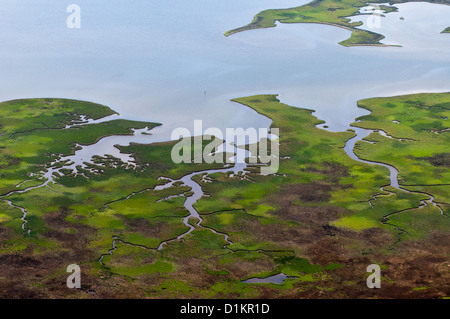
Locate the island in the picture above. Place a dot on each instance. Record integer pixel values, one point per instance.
(330, 12)
(314, 225)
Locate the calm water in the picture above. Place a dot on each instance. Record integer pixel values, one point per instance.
(275, 279)
(168, 61)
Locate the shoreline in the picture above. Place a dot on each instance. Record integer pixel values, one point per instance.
(258, 18)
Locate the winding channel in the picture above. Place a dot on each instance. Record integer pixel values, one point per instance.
(197, 192)
(68, 162)
(48, 177)
(393, 177)
(350, 151)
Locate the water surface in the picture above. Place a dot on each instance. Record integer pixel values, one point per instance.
(168, 61)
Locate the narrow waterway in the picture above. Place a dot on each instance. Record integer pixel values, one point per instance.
(393, 178)
(350, 150)
(47, 177)
(238, 169)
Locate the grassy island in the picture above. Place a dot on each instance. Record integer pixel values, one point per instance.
(331, 12)
(321, 219)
